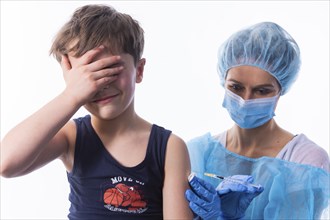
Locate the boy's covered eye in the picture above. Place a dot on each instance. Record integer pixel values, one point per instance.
(115, 65)
(114, 75)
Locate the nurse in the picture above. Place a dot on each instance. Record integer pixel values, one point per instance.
(257, 65)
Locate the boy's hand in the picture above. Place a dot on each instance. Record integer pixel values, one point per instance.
(85, 77)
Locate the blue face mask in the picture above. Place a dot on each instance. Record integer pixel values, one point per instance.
(250, 113)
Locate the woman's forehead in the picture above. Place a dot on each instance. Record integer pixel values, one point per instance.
(251, 76)
(249, 73)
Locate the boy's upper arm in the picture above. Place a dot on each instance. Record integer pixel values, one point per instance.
(177, 170)
(60, 147)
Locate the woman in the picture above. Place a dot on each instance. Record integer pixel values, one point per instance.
(258, 65)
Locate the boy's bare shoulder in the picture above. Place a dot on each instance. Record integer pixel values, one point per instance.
(70, 132)
(176, 140)
(176, 147)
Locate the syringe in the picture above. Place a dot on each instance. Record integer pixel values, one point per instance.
(231, 179)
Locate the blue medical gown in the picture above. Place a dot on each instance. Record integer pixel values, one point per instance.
(292, 190)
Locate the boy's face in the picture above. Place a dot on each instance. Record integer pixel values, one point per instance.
(117, 97)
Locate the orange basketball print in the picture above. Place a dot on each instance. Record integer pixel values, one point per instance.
(124, 196)
(113, 197)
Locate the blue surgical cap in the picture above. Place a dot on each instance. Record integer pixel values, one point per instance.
(265, 45)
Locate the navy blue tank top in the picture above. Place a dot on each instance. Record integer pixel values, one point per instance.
(101, 188)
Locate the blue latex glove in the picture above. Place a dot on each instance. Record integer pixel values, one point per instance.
(236, 197)
(203, 199)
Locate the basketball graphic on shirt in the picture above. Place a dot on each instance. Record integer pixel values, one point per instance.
(113, 197)
(132, 198)
(127, 197)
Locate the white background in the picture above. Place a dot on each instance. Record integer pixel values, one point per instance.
(180, 90)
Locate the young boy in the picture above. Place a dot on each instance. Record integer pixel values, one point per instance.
(118, 165)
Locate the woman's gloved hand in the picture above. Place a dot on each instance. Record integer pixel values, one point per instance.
(203, 199)
(236, 193)
(228, 201)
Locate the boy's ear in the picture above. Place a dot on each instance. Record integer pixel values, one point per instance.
(140, 69)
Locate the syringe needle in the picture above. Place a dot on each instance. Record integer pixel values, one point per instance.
(230, 179)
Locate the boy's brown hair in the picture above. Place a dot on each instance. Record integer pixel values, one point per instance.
(93, 25)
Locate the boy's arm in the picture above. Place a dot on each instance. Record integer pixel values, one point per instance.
(177, 170)
(43, 136)
(38, 139)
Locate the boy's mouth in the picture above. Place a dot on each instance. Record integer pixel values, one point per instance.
(105, 98)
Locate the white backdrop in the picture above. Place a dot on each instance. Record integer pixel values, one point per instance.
(180, 90)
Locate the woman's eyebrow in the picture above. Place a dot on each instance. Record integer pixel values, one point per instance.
(265, 85)
(234, 81)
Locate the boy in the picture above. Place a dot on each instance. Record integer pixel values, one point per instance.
(118, 165)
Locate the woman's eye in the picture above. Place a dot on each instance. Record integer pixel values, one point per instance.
(264, 91)
(236, 87)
